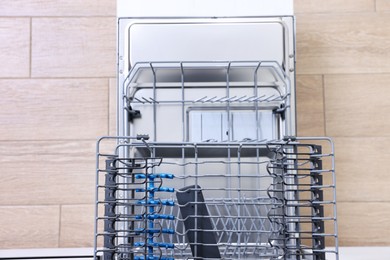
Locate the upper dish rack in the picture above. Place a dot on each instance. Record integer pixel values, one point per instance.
(206, 101)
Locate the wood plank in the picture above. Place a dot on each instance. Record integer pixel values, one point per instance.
(58, 8)
(47, 173)
(383, 5)
(310, 105)
(361, 169)
(41, 109)
(77, 225)
(73, 47)
(333, 6)
(364, 224)
(112, 107)
(357, 105)
(343, 43)
(29, 226)
(14, 47)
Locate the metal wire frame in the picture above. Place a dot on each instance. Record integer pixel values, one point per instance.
(131, 86)
(224, 209)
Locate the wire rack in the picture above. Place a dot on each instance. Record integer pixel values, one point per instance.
(217, 178)
(247, 200)
(185, 93)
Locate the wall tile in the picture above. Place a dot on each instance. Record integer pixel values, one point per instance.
(343, 44)
(383, 5)
(364, 224)
(73, 47)
(44, 173)
(58, 8)
(310, 105)
(361, 169)
(357, 105)
(28, 227)
(42, 109)
(14, 47)
(333, 6)
(77, 225)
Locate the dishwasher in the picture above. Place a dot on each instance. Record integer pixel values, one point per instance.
(206, 163)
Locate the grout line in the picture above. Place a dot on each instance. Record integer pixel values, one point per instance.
(47, 140)
(59, 17)
(324, 104)
(59, 227)
(345, 74)
(71, 77)
(30, 54)
(346, 12)
(362, 201)
(108, 106)
(48, 205)
(62, 78)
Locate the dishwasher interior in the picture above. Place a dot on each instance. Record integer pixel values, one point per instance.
(206, 163)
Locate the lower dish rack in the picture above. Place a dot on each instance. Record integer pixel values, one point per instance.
(249, 200)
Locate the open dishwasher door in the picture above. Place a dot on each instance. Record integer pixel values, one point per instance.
(205, 164)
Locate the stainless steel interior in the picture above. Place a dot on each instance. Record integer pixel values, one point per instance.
(227, 56)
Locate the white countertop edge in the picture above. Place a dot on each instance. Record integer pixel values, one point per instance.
(204, 8)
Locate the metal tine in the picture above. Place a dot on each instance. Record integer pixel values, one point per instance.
(232, 222)
(268, 99)
(248, 99)
(244, 98)
(155, 101)
(277, 98)
(146, 100)
(139, 100)
(211, 99)
(200, 99)
(252, 224)
(231, 99)
(258, 98)
(221, 99)
(240, 99)
(215, 221)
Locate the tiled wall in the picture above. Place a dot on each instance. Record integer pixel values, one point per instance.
(344, 78)
(57, 65)
(57, 70)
